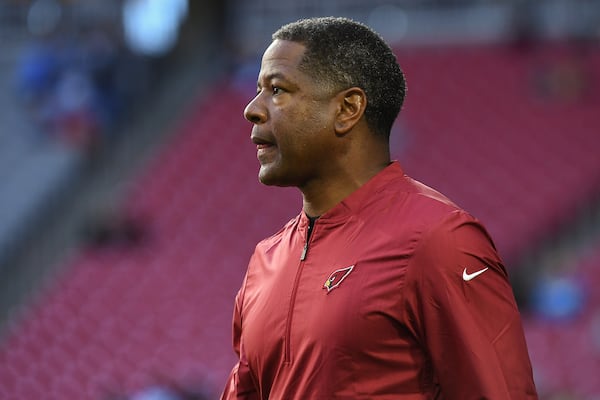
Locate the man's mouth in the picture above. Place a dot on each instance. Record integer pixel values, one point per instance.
(262, 146)
(265, 152)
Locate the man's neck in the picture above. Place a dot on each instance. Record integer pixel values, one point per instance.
(320, 197)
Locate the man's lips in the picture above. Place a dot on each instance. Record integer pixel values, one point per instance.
(263, 147)
(261, 143)
(259, 140)
(264, 151)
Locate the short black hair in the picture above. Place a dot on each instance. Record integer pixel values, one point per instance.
(342, 53)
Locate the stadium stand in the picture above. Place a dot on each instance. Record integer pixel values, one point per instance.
(119, 318)
(478, 129)
(565, 351)
(147, 299)
(33, 169)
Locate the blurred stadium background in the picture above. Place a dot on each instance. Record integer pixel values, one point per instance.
(129, 203)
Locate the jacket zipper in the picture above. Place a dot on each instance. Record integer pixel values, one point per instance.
(309, 230)
(288, 327)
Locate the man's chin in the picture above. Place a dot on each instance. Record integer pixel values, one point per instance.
(268, 177)
(267, 181)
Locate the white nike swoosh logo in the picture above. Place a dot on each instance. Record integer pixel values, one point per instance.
(468, 277)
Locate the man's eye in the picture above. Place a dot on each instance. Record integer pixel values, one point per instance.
(276, 90)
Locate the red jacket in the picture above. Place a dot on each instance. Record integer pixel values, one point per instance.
(399, 294)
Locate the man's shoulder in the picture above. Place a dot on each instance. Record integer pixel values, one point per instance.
(414, 201)
(276, 237)
(429, 196)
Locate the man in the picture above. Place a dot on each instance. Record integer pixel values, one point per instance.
(381, 288)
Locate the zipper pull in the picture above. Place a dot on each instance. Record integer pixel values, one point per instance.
(311, 224)
(304, 251)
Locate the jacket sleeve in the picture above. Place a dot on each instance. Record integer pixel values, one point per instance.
(460, 307)
(240, 384)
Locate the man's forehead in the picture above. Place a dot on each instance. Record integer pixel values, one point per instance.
(285, 49)
(282, 55)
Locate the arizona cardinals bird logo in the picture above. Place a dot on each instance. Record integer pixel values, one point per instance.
(336, 278)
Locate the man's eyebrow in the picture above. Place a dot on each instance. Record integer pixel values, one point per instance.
(270, 77)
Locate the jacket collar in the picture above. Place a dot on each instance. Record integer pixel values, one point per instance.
(361, 197)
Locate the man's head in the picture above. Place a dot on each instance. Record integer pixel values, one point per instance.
(341, 53)
(328, 92)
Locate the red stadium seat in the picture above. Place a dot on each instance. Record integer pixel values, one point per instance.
(118, 319)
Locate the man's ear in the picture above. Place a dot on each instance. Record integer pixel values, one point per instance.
(351, 108)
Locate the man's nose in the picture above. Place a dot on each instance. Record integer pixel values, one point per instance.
(255, 112)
